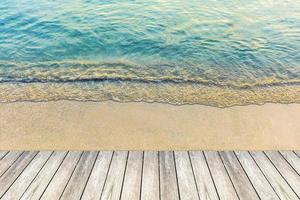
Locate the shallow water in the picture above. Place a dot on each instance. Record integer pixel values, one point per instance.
(218, 53)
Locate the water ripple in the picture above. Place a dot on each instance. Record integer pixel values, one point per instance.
(241, 45)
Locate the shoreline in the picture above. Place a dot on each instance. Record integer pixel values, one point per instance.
(74, 125)
(174, 94)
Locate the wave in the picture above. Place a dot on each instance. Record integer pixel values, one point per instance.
(175, 94)
(85, 71)
(129, 82)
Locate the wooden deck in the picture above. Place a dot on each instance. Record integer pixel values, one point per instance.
(150, 175)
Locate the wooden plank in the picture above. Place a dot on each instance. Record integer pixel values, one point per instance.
(287, 172)
(260, 183)
(27, 176)
(62, 176)
(37, 187)
(150, 183)
(38, 176)
(97, 179)
(186, 180)
(292, 159)
(203, 178)
(222, 181)
(2, 154)
(168, 180)
(8, 178)
(80, 176)
(238, 176)
(8, 160)
(280, 186)
(113, 185)
(297, 153)
(133, 177)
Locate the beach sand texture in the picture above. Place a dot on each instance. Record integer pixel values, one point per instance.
(71, 125)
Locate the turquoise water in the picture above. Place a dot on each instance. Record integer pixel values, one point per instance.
(210, 52)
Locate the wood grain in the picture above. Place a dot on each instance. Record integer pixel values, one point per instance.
(62, 176)
(149, 175)
(203, 177)
(113, 185)
(186, 180)
(8, 160)
(39, 184)
(223, 183)
(98, 176)
(9, 177)
(133, 177)
(287, 172)
(238, 176)
(27, 176)
(257, 178)
(76, 184)
(2, 154)
(279, 184)
(150, 179)
(292, 159)
(168, 180)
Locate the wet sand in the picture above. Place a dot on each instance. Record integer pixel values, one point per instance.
(71, 125)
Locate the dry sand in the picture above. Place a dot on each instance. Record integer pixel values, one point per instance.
(66, 125)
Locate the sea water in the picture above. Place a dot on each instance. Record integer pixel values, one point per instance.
(218, 53)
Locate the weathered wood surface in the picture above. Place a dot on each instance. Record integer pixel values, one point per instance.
(3, 154)
(204, 181)
(256, 176)
(281, 187)
(98, 176)
(168, 178)
(186, 178)
(292, 159)
(133, 176)
(27, 176)
(9, 177)
(80, 176)
(149, 175)
(39, 184)
(8, 160)
(59, 182)
(220, 176)
(150, 179)
(113, 185)
(238, 176)
(286, 171)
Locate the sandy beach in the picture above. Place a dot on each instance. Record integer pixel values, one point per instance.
(71, 125)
